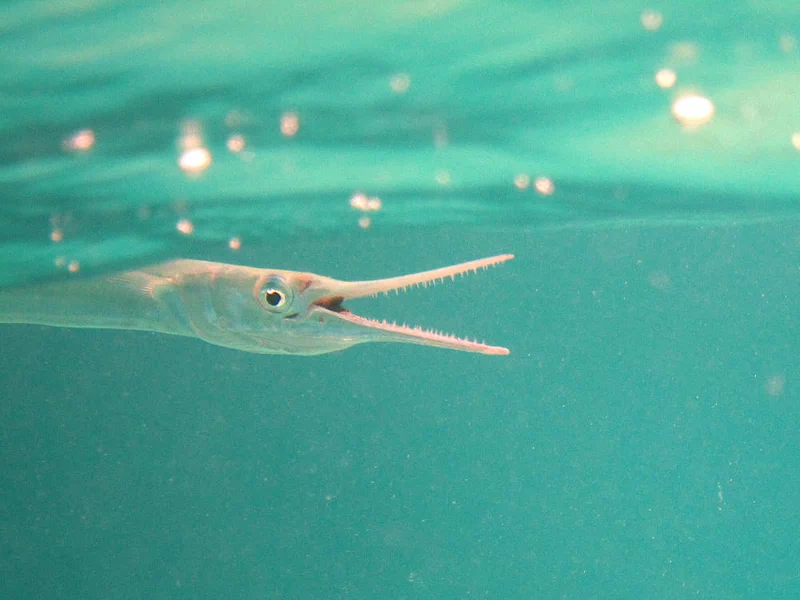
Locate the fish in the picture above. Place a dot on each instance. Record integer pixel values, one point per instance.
(257, 310)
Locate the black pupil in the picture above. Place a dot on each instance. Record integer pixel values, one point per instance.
(274, 298)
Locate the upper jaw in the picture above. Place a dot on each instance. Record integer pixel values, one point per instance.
(330, 294)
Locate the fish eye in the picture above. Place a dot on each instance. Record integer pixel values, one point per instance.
(275, 298)
(275, 295)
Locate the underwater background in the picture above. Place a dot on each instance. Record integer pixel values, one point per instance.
(641, 160)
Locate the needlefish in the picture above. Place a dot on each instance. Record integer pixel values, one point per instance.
(256, 310)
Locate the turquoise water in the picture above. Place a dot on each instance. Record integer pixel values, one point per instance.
(639, 442)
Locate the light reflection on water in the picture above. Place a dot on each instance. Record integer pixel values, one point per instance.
(171, 142)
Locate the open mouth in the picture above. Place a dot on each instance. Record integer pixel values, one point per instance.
(392, 332)
(333, 304)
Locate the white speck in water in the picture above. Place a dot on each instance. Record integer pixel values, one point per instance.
(692, 110)
(443, 177)
(195, 160)
(290, 124)
(775, 385)
(80, 141)
(666, 78)
(652, 20)
(788, 43)
(400, 83)
(544, 185)
(235, 143)
(185, 226)
(684, 53)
